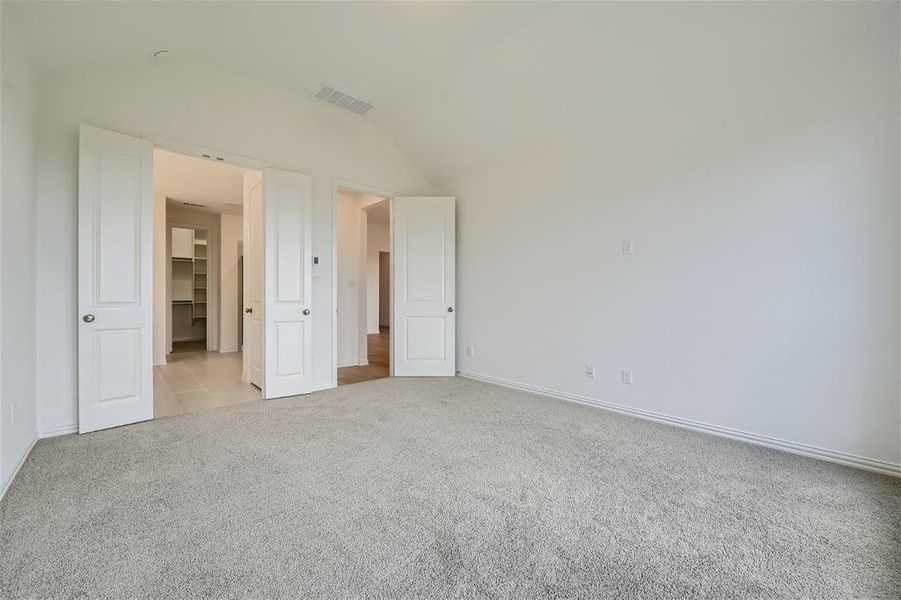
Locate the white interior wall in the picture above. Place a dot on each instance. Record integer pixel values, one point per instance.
(250, 179)
(231, 229)
(367, 205)
(355, 302)
(349, 223)
(377, 240)
(160, 279)
(18, 406)
(362, 340)
(384, 314)
(205, 105)
(763, 208)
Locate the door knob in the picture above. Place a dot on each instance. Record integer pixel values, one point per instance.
(450, 309)
(306, 311)
(248, 310)
(88, 318)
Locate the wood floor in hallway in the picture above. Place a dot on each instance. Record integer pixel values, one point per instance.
(378, 344)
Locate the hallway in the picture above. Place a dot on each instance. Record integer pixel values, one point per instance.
(378, 344)
(195, 381)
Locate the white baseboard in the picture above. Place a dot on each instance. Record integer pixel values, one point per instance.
(324, 386)
(227, 350)
(843, 458)
(48, 432)
(12, 476)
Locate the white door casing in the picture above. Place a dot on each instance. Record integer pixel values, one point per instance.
(287, 284)
(423, 327)
(115, 258)
(253, 285)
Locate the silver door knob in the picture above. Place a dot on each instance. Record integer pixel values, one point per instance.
(88, 318)
(248, 310)
(306, 311)
(450, 309)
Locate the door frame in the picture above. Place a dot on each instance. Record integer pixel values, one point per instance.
(246, 225)
(363, 189)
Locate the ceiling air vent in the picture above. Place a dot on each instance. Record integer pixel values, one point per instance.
(194, 204)
(343, 101)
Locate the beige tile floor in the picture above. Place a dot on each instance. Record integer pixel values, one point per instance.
(196, 381)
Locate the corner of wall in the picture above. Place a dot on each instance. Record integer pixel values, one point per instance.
(18, 249)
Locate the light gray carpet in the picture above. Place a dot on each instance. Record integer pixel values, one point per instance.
(439, 488)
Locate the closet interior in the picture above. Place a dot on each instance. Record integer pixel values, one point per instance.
(188, 285)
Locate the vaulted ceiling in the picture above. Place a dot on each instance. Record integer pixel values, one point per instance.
(462, 86)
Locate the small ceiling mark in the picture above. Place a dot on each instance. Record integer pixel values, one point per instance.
(161, 54)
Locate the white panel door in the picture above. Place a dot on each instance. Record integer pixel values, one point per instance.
(287, 285)
(253, 286)
(423, 329)
(115, 229)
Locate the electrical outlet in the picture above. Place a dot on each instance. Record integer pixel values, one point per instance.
(627, 376)
(470, 351)
(589, 370)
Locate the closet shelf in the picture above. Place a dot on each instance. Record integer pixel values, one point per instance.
(188, 283)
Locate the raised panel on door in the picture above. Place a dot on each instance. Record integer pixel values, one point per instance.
(115, 223)
(287, 328)
(424, 338)
(424, 323)
(424, 263)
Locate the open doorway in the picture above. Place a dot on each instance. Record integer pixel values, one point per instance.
(363, 286)
(202, 293)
